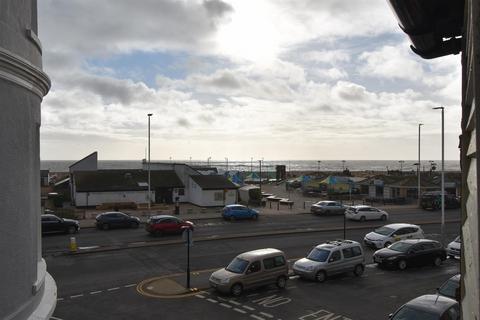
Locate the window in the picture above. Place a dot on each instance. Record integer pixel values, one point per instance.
(335, 256)
(269, 263)
(254, 267)
(181, 192)
(356, 251)
(332, 204)
(218, 196)
(279, 261)
(347, 253)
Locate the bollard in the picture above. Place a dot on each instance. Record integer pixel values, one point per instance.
(270, 204)
(304, 207)
(278, 205)
(73, 244)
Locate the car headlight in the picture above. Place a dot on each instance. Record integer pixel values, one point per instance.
(224, 281)
(391, 258)
(310, 268)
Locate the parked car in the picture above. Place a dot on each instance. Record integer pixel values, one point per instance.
(412, 252)
(116, 219)
(450, 287)
(53, 224)
(454, 248)
(252, 269)
(362, 213)
(390, 233)
(237, 211)
(331, 257)
(432, 200)
(327, 207)
(165, 224)
(428, 307)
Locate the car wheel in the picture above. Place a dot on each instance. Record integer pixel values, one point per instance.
(437, 262)
(158, 233)
(281, 282)
(236, 290)
(105, 226)
(451, 257)
(255, 217)
(362, 218)
(358, 271)
(134, 225)
(402, 264)
(387, 244)
(383, 217)
(71, 230)
(321, 276)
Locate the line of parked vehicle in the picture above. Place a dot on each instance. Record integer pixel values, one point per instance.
(262, 267)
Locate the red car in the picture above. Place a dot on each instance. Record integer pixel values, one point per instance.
(163, 224)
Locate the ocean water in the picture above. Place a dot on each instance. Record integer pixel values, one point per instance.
(269, 165)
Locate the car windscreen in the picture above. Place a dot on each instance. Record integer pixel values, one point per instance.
(384, 231)
(319, 255)
(237, 265)
(400, 246)
(409, 313)
(449, 288)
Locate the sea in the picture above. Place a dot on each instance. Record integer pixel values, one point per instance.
(269, 165)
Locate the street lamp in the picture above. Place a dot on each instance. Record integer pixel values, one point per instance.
(260, 183)
(401, 166)
(148, 197)
(443, 173)
(226, 159)
(251, 167)
(419, 164)
(319, 167)
(343, 165)
(208, 161)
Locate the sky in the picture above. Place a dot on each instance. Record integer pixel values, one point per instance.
(278, 79)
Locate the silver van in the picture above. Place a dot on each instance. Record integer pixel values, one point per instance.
(252, 269)
(331, 257)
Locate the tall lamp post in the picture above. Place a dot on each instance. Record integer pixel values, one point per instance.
(418, 168)
(251, 166)
(226, 159)
(260, 183)
(443, 174)
(401, 166)
(343, 165)
(148, 166)
(318, 169)
(208, 161)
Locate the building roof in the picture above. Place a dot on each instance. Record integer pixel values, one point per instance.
(213, 182)
(125, 180)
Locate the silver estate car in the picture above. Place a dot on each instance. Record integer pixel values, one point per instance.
(331, 257)
(252, 269)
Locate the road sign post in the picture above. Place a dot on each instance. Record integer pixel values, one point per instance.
(187, 236)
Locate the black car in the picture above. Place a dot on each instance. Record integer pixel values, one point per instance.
(428, 307)
(53, 224)
(411, 252)
(116, 219)
(432, 200)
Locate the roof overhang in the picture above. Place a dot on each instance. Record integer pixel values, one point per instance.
(434, 26)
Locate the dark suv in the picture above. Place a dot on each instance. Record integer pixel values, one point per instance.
(116, 219)
(433, 200)
(51, 224)
(411, 252)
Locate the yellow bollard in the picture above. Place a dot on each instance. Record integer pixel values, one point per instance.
(73, 244)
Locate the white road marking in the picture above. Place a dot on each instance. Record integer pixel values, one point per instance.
(240, 310)
(76, 296)
(150, 288)
(266, 314)
(60, 299)
(113, 289)
(257, 317)
(212, 300)
(225, 305)
(248, 308)
(235, 303)
(55, 318)
(200, 296)
(130, 285)
(294, 277)
(95, 292)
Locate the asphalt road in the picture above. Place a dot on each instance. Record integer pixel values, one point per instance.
(211, 228)
(102, 285)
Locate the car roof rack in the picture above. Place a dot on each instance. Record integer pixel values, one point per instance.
(339, 242)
